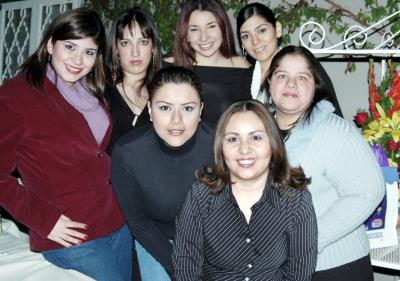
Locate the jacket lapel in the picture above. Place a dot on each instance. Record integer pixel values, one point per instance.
(73, 119)
(106, 139)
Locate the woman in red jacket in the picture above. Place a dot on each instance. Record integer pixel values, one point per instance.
(54, 130)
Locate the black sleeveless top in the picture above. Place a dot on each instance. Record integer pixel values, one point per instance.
(221, 87)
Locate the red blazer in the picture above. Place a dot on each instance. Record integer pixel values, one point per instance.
(63, 169)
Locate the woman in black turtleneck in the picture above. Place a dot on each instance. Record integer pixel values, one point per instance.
(153, 167)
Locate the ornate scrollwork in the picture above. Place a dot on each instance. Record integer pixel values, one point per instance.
(354, 41)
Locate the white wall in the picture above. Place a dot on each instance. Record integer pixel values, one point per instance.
(351, 88)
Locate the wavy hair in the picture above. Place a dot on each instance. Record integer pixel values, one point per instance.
(184, 55)
(280, 174)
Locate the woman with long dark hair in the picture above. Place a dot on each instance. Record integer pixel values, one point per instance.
(134, 56)
(55, 129)
(204, 42)
(260, 34)
(154, 166)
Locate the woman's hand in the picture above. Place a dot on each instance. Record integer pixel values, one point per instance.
(63, 233)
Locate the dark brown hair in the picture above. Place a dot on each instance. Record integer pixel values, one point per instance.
(74, 24)
(321, 91)
(174, 75)
(280, 174)
(250, 10)
(184, 55)
(129, 18)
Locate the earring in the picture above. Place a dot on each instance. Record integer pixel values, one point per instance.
(270, 105)
(244, 53)
(269, 100)
(153, 59)
(49, 57)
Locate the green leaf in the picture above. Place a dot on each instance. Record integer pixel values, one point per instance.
(292, 14)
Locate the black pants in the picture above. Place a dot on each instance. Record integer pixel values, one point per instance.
(358, 270)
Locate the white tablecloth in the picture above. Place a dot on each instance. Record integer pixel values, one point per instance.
(18, 263)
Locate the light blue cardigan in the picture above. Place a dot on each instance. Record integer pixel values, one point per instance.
(347, 183)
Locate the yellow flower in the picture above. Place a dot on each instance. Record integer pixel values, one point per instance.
(380, 110)
(392, 163)
(395, 125)
(383, 126)
(376, 130)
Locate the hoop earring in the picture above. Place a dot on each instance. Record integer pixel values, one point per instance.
(244, 53)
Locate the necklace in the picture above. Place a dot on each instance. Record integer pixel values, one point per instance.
(285, 133)
(139, 100)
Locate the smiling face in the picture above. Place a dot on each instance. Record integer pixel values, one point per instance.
(175, 110)
(134, 51)
(204, 34)
(246, 148)
(260, 38)
(72, 59)
(292, 86)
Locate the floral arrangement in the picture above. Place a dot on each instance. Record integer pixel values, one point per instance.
(381, 125)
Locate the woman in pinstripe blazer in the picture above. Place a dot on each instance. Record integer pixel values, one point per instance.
(249, 217)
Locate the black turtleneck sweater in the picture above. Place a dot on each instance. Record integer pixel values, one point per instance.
(151, 181)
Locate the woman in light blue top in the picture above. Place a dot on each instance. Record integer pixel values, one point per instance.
(347, 182)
